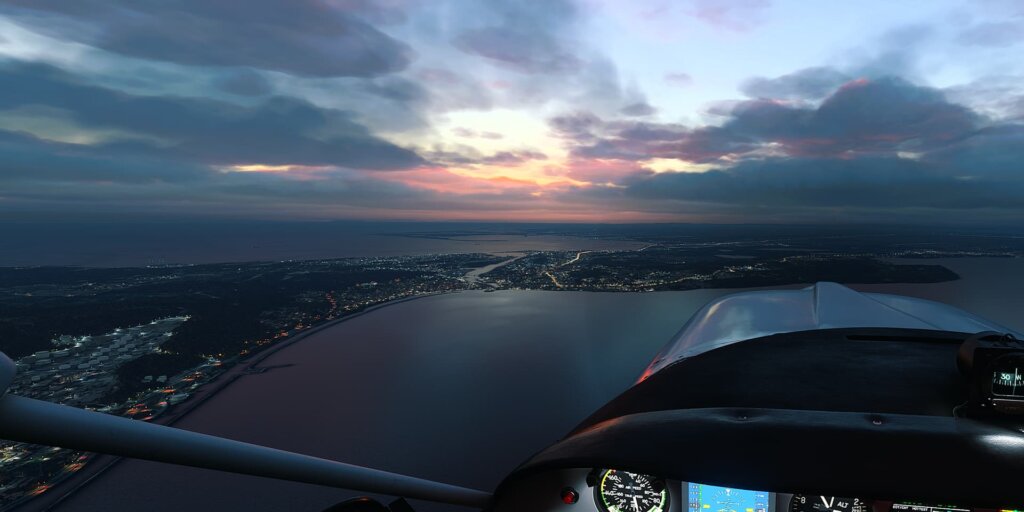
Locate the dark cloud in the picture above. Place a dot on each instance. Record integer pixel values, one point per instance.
(514, 157)
(204, 193)
(278, 131)
(377, 12)
(641, 109)
(612, 150)
(579, 126)
(710, 144)
(397, 89)
(520, 50)
(883, 183)
(991, 152)
(886, 114)
(809, 84)
(649, 132)
(679, 79)
(302, 37)
(60, 179)
(524, 38)
(999, 34)
(24, 158)
(462, 155)
(874, 149)
(883, 116)
(590, 136)
(244, 82)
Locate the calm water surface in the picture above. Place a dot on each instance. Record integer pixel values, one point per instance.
(459, 388)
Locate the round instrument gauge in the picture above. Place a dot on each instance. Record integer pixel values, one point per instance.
(805, 503)
(622, 491)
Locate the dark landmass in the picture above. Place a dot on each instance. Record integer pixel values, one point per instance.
(228, 304)
(661, 269)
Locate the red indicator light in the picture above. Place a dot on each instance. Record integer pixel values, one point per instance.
(570, 496)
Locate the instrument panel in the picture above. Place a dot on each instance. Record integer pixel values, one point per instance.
(611, 490)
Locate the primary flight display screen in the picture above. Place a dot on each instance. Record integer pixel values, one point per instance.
(711, 498)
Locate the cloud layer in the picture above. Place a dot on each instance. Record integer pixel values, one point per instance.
(493, 110)
(305, 37)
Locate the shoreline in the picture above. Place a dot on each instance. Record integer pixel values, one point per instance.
(100, 463)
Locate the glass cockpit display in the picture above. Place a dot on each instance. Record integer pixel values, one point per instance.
(711, 498)
(808, 503)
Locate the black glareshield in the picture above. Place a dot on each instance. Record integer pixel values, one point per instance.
(993, 364)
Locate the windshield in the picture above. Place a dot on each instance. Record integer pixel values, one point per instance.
(430, 236)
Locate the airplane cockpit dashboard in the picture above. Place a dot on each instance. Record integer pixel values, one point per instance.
(611, 490)
(783, 401)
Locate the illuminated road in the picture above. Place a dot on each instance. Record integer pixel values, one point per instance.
(553, 278)
(577, 258)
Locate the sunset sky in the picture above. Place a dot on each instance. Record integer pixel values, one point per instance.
(549, 110)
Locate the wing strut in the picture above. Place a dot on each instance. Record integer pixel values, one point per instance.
(34, 421)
